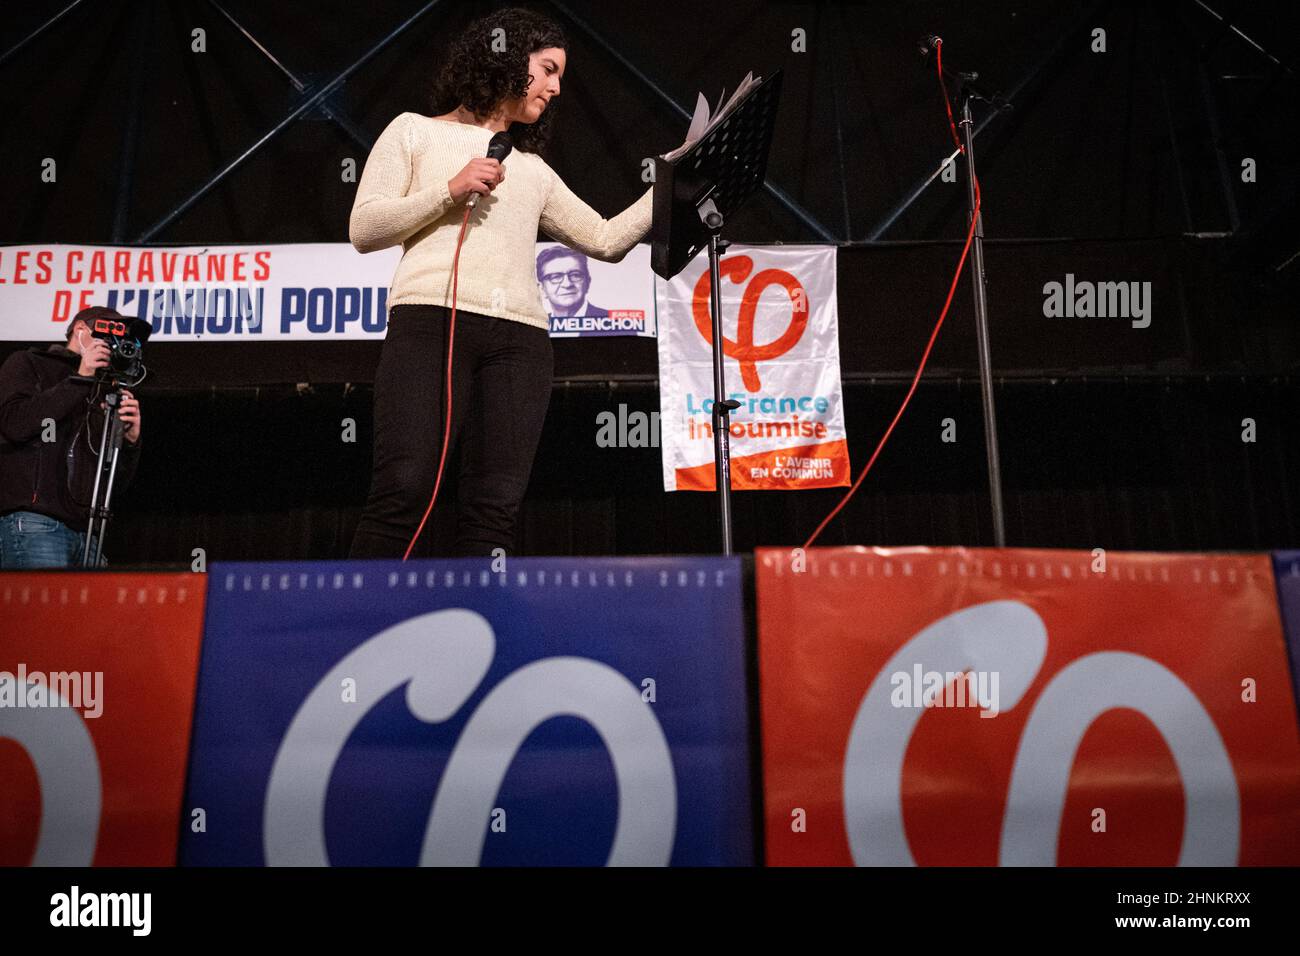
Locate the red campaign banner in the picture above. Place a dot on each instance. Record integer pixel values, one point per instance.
(1025, 707)
(97, 679)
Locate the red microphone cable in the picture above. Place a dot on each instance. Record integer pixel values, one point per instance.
(451, 338)
(925, 357)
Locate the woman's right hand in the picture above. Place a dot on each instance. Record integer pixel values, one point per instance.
(479, 176)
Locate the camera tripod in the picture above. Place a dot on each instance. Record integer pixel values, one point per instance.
(110, 445)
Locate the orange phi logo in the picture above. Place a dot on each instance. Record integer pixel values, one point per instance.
(743, 349)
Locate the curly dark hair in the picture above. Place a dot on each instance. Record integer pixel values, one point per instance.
(479, 78)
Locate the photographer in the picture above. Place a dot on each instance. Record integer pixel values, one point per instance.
(51, 420)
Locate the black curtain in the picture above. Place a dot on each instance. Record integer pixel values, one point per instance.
(1143, 464)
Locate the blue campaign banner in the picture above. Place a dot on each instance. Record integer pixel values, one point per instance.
(566, 711)
(1286, 569)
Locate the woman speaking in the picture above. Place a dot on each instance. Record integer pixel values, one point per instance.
(464, 306)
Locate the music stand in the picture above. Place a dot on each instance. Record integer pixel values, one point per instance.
(693, 197)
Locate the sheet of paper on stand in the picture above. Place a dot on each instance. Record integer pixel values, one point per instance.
(702, 122)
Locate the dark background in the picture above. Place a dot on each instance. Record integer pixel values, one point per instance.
(1123, 165)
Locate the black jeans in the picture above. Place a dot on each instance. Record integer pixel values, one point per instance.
(501, 387)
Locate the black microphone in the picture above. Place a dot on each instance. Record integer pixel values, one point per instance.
(498, 148)
(928, 43)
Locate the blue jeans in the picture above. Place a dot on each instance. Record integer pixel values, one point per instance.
(29, 540)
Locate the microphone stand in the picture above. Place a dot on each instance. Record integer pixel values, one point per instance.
(967, 90)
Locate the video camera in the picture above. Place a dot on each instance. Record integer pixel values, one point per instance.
(125, 338)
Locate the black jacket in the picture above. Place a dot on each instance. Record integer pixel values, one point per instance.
(52, 478)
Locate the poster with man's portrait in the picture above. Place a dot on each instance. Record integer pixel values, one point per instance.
(584, 296)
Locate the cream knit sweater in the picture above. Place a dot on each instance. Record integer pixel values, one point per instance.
(403, 197)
